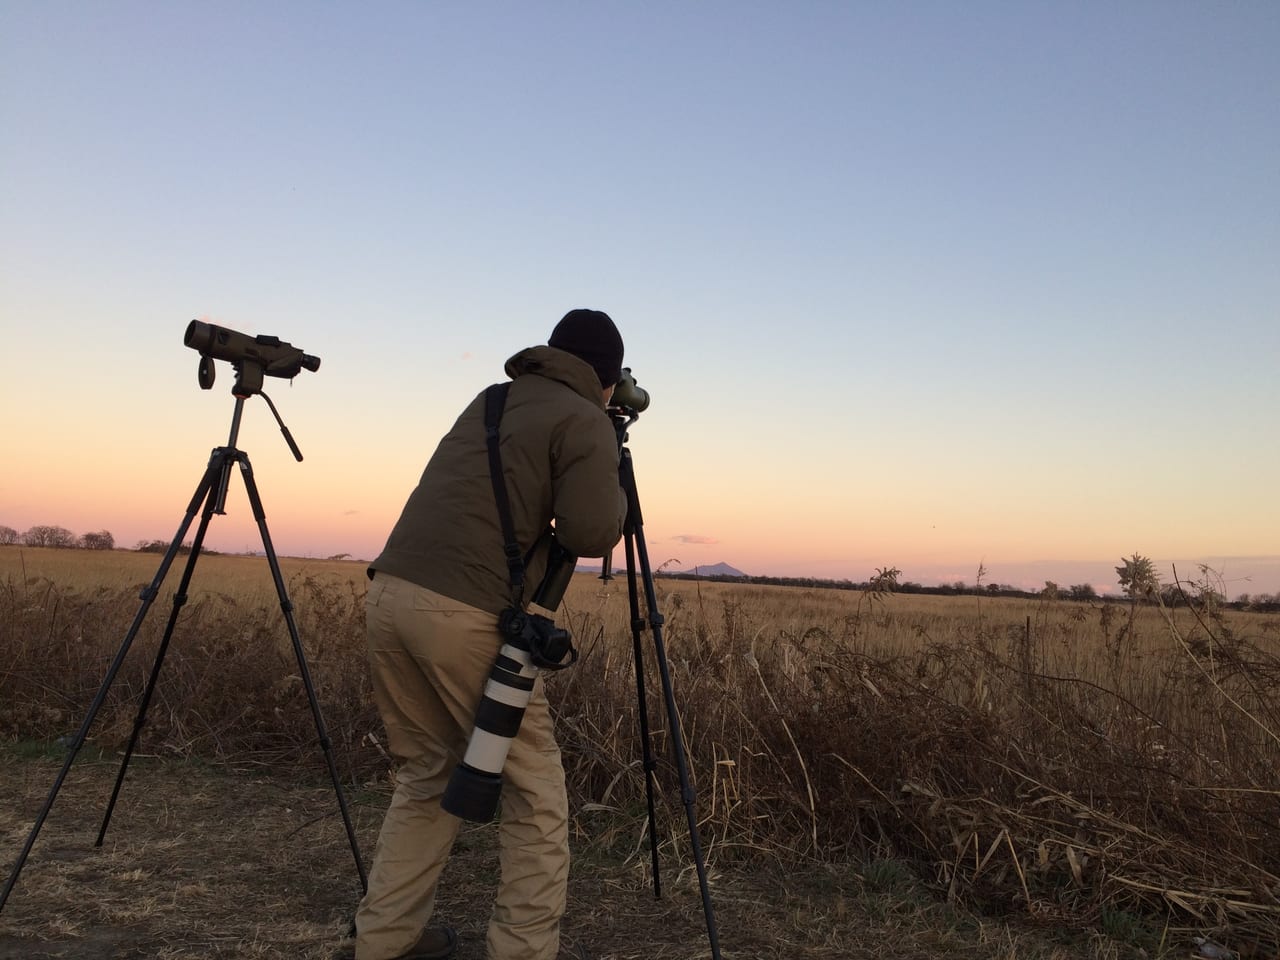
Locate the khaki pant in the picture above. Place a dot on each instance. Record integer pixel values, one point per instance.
(429, 657)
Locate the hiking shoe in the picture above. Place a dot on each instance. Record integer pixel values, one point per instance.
(436, 943)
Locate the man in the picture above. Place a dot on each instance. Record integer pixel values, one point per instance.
(432, 620)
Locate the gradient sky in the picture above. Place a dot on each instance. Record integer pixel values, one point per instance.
(928, 285)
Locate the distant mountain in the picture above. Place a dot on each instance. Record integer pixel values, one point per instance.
(712, 570)
(619, 568)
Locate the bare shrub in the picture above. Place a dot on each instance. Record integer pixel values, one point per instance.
(46, 535)
(99, 540)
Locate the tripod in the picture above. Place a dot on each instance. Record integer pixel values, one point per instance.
(212, 492)
(634, 547)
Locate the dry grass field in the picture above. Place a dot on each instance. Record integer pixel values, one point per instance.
(897, 775)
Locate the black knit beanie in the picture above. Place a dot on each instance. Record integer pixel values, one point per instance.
(591, 335)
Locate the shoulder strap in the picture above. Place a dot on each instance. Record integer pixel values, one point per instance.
(495, 399)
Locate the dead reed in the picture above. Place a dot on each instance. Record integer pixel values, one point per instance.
(1083, 764)
(1077, 762)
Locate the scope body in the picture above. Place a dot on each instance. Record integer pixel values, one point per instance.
(252, 357)
(277, 358)
(627, 393)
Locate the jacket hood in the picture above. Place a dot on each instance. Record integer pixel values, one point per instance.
(574, 372)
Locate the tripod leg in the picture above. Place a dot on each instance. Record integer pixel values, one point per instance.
(179, 600)
(650, 765)
(626, 472)
(286, 606)
(148, 596)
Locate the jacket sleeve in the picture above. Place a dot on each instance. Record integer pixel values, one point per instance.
(587, 501)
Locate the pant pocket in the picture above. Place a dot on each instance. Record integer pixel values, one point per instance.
(377, 586)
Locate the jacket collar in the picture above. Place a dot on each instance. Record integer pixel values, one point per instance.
(574, 372)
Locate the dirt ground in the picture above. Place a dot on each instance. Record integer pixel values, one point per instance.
(215, 862)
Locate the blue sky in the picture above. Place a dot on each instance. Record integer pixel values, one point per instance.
(924, 284)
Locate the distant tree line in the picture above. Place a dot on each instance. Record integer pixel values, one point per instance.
(47, 535)
(880, 584)
(161, 546)
(1136, 577)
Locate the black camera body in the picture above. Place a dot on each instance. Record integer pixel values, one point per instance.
(548, 645)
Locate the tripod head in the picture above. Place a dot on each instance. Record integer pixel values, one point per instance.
(624, 409)
(622, 419)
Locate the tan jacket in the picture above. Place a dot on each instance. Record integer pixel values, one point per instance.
(560, 460)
